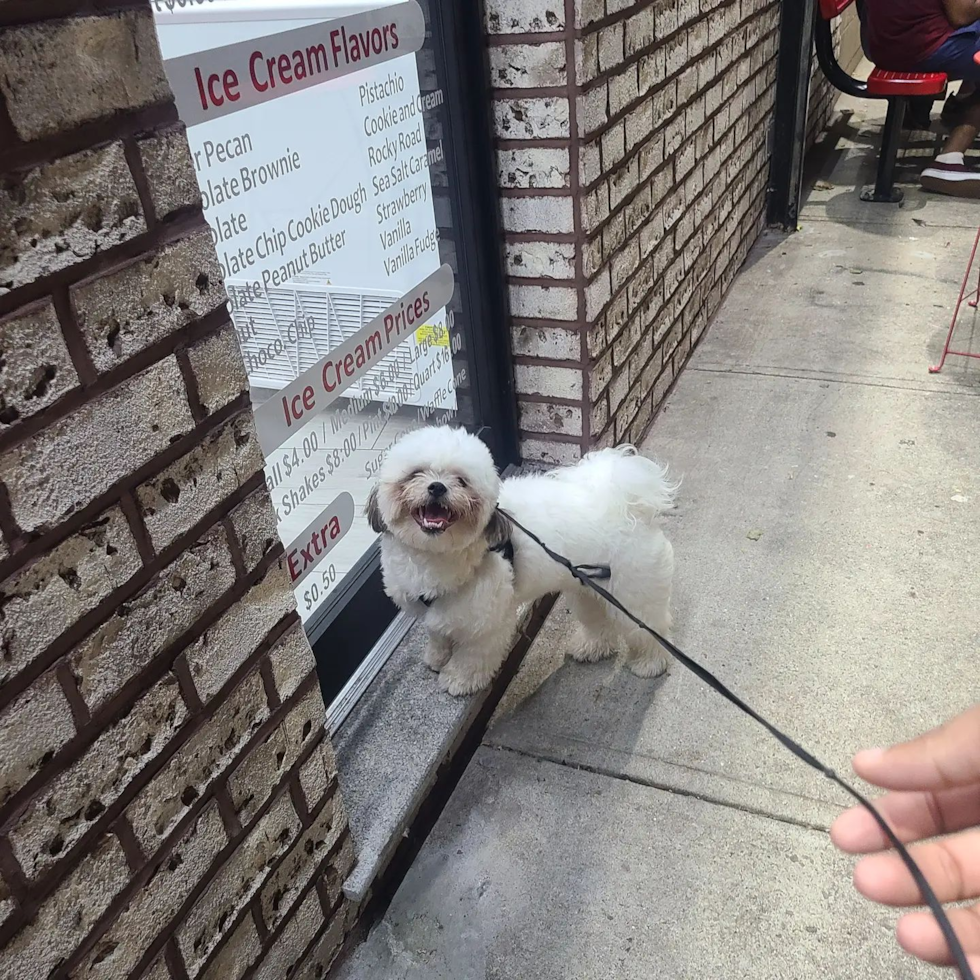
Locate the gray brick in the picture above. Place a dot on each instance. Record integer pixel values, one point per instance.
(170, 172)
(639, 31)
(180, 496)
(125, 312)
(285, 953)
(550, 453)
(613, 146)
(263, 770)
(528, 65)
(524, 16)
(587, 58)
(281, 890)
(35, 366)
(239, 879)
(75, 800)
(153, 905)
(7, 907)
(148, 624)
(558, 382)
(292, 661)
(590, 162)
(219, 369)
(47, 597)
(546, 260)
(144, 414)
(64, 212)
(61, 73)
(317, 964)
(600, 414)
(66, 918)
(318, 775)
(254, 521)
(623, 89)
(544, 302)
(237, 954)
(593, 109)
(597, 294)
(32, 729)
(533, 166)
(228, 644)
(531, 118)
(157, 970)
(556, 343)
(186, 777)
(611, 46)
(589, 11)
(544, 417)
(599, 375)
(548, 214)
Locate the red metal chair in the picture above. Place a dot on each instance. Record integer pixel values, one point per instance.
(895, 86)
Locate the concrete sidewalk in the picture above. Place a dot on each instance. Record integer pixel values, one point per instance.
(827, 544)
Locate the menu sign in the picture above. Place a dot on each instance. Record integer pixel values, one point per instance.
(234, 77)
(317, 153)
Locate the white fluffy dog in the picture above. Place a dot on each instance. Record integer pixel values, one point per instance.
(450, 557)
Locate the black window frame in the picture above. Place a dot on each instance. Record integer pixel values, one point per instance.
(357, 614)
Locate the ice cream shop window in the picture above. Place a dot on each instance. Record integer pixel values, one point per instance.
(345, 168)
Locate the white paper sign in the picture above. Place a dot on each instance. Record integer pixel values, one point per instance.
(321, 385)
(305, 553)
(223, 80)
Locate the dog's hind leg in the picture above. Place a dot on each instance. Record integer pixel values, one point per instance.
(645, 656)
(594, 638)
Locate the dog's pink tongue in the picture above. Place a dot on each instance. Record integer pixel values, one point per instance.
(434, 514)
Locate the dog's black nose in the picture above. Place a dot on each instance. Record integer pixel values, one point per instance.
(437, 489)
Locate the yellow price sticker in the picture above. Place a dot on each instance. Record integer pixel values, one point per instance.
(432, 333)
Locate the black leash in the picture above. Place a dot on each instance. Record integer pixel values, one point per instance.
(581, 573)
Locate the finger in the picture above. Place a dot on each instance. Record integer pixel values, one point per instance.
(941, 759)
(912, 816)
(951, 866)
(920, 935)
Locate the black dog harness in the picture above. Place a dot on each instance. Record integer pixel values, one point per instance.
(506, 548)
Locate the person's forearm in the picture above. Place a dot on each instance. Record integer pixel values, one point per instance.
(962, 12)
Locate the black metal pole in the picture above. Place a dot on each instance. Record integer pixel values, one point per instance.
(793, 71)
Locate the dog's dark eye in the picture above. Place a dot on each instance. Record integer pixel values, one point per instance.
(461, 481)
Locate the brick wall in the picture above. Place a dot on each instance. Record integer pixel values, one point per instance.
(633, 160)
(168, 802)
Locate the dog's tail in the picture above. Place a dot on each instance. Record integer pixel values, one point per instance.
(630, 485)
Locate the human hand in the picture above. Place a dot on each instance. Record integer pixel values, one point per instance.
(935, 791)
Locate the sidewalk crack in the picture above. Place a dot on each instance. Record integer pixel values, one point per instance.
(663, 787)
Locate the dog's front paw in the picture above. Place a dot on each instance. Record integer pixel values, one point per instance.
(437, 653)
(462, 681)
(587, 648)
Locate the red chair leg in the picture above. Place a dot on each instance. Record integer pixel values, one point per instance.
(936, 368)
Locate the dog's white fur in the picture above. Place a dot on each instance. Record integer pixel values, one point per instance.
(602, 511)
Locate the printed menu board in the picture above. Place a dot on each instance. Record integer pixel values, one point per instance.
(312, 145)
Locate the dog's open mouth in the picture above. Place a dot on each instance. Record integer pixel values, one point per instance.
(433, 518)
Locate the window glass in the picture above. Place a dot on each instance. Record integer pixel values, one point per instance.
(320, 144)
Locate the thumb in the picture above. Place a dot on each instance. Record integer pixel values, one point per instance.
(944, 758)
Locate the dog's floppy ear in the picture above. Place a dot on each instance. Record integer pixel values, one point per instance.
(373, 512)
(498, 530)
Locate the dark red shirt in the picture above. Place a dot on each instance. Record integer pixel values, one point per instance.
(903, 33)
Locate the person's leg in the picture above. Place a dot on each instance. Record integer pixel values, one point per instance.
(950, 174)
(963, 135)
